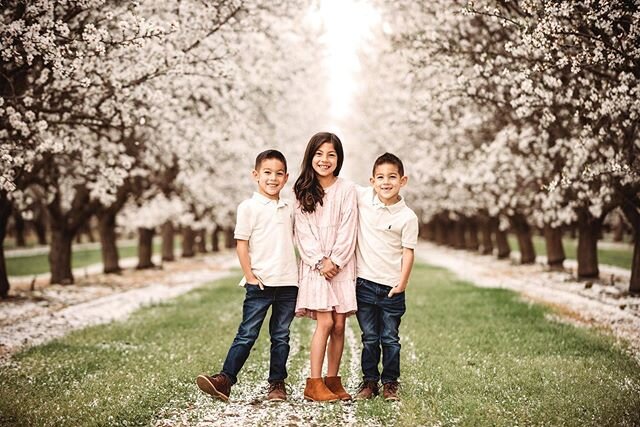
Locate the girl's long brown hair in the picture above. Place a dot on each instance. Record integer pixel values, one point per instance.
(307, 188)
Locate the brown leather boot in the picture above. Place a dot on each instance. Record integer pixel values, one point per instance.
(218, 386)
(335, 386)
(317, 391)
(277, 391)
(367, 390)
(390, 390)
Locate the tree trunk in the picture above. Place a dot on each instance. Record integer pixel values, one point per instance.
(525, 240)
(588, 232)
(555, 250)
(459, 240)
(5, 212)
(188, 240)
(229, 241)
(504, 250)
(215, 239)
(168, 242)
(617, 226)
(19, 227)
(64, 226)
(485, 232)
(201, 240)
(426, 231)
(89, 231)
(472, 231)
(60, 254)
(431, 226)
(85, 229)
(40, 227)
(632, 212)
(618, 232)
(440, 231)
(634, 283)
(108, 239)
(145, 248)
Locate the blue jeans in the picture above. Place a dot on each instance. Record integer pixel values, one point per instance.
(282, 300)
(379, 319)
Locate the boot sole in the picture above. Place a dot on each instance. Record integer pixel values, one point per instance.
(205, 385)
(309, 399)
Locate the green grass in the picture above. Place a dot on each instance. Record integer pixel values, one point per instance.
(484, 357)
(37, 264)
(122, 373)
(470, 356)
(609, 256)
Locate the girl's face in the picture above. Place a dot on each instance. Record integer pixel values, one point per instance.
(325, 160)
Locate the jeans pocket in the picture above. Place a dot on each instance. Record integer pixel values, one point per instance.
(250, 287)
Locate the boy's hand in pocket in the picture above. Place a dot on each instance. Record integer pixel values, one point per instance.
(397, 289)
(255, 280)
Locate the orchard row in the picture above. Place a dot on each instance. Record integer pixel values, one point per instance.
(514, 113)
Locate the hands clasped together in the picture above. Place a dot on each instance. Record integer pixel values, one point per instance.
(328, 269)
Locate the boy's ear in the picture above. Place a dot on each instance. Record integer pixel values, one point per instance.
(372, 180)
(404, 180)
(255, 174)
(286, 177)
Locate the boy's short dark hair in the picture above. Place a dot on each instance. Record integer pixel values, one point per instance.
(391, 159)
(270, 154)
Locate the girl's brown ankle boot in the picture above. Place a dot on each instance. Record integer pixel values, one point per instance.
(335, 386)
(317, 391)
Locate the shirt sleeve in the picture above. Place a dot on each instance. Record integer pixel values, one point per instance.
(361, 194)
(345, 244)
(307, 242)
(244, 222)
(410, 233)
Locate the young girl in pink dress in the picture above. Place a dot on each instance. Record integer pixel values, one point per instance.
(325, 232)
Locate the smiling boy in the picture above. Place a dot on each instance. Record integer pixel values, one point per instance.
(387, 236)
(264, 234)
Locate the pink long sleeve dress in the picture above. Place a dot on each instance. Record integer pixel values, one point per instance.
(330, 231)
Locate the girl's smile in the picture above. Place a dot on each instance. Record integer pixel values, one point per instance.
(325, 160)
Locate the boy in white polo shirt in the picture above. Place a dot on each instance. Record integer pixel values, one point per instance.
(387, 236)
(264, 234)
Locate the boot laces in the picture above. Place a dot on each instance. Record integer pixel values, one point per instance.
(372, 385)
(392, 387)
(277, 385)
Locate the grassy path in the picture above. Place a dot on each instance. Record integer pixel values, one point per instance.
(471, 356)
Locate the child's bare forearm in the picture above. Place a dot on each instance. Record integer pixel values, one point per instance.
(407, 265)
(242, 249)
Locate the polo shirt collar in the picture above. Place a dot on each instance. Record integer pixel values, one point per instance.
(265, 200)
(394, 208)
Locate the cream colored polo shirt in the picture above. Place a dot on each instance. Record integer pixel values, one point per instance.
(268, 226)
(382, 233)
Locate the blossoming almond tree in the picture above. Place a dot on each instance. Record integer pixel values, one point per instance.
(554, 95)
(97, 98)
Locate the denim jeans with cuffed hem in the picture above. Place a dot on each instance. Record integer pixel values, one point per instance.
(282, 300)
(379, 319)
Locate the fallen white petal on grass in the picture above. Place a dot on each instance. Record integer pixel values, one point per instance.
(62, 309)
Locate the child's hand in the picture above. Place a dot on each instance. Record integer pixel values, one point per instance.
(254, 280)
(397, 289)
(329, 269)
